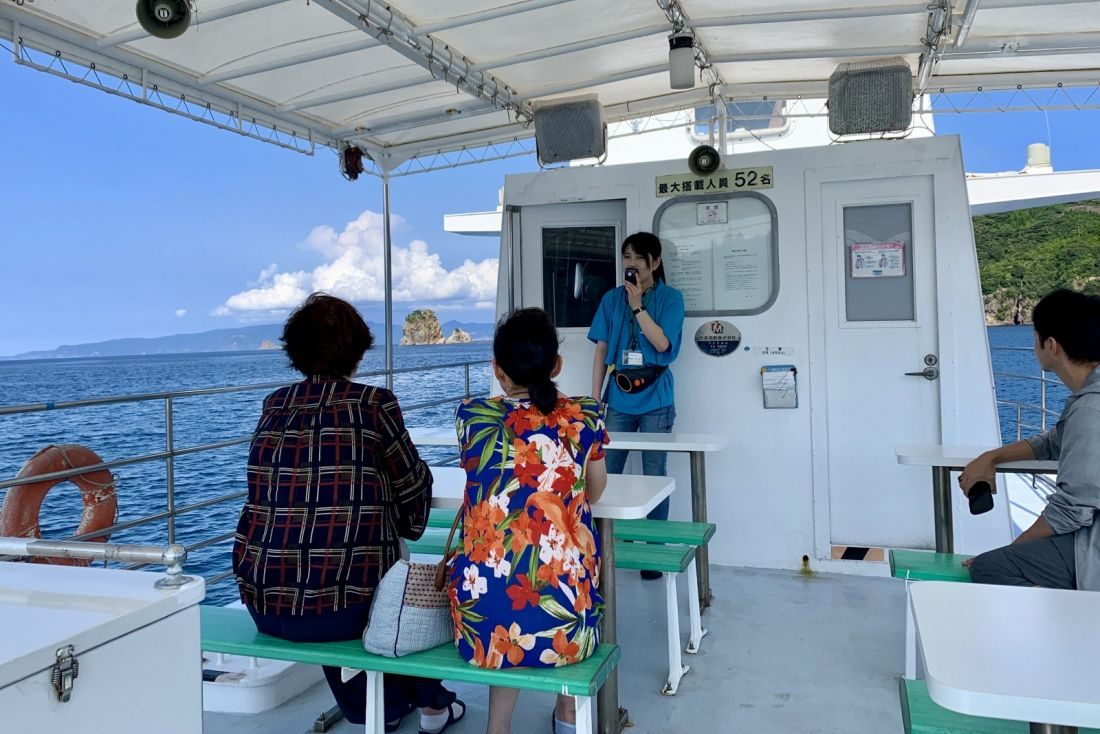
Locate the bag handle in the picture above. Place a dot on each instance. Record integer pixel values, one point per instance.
(448, 554)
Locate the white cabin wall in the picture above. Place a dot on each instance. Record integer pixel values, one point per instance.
(761, 488)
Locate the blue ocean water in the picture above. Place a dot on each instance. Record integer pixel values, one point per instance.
(133, 429)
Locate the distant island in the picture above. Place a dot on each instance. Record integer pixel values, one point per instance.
(239, 339)
(422, 327)
(1025, 254)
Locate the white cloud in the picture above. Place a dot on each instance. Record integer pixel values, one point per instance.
(485, 305)
(181, 312)
(354, 270)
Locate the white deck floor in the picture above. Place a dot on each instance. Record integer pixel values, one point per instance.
(784, 653)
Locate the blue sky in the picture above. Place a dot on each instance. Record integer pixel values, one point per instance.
(121, 220)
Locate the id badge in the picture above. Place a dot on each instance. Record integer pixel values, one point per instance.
(632, 359)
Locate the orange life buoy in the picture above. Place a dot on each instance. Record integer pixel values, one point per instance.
(22, 503)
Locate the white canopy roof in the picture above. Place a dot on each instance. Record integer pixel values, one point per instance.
(414, 77)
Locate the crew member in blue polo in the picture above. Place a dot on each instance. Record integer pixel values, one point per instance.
(637, 331)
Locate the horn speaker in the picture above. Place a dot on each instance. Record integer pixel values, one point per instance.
(164, 18)
(704, 160)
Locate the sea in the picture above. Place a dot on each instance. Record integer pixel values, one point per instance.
(137, 428)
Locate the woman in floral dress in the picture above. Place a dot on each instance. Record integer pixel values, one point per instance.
(525, 583)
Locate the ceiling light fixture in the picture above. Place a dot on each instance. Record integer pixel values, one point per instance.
(681, 60)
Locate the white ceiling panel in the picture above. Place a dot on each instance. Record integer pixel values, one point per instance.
(441, 76)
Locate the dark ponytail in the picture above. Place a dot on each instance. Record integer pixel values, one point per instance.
(648, 245)
(526, 349)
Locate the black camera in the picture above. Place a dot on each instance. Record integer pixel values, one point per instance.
(630, 275)
(981, 498)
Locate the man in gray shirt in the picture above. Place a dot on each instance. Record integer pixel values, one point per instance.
(1061, 549)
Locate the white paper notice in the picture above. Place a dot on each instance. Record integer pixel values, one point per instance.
(719, 254)
(878, 260)
(712, 213)
(689, 270)
(742, 273)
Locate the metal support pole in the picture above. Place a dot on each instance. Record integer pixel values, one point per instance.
(699, 514)
(467, 366)
(611, 718)
(170, 470)
(941, 501)
(387, 267)
(721, 105)
(1043, 399)
(1052, 729)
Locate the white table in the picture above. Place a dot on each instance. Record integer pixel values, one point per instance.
(695, 445)
(945, 459)
(1010, 652)
(626, 497)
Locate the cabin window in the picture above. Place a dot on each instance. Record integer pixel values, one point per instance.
(721, 251)
(744, 121)
(878, 262)
(578, 267)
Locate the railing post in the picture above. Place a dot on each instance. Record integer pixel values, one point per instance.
(170, 470)
(1043, 398)
(1019, 427)
(467, 366)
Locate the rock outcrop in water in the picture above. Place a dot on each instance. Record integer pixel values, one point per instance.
(458, 336)
(422, 327)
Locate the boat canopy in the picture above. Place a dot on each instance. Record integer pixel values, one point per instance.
(415, 79)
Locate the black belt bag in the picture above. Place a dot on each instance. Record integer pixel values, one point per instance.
(636, 379)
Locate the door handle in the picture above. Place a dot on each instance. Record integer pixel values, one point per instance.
(928, 373)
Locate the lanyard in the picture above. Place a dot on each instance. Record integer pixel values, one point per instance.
(628, 314)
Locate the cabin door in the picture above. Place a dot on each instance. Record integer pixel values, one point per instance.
(881, 372)
(567, 259)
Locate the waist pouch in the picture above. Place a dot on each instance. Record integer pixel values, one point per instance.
(636, 379)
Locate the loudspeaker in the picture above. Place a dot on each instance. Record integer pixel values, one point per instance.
(164, 18)
(568, 129)
(871, 97)
(704, 160)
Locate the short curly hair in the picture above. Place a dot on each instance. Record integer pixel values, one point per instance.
(326, 337)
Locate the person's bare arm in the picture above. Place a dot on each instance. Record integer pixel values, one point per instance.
(599, 369)
(595, 479)
(983, 468)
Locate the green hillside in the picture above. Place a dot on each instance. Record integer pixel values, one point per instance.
(1025, 254)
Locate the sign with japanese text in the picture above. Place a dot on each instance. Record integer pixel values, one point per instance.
(717, 338)
(878, 260)
(719, 182)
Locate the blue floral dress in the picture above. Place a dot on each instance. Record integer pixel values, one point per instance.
(525, 583)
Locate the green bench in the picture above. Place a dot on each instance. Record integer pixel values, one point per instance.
(917, 565)
(928, 566)
(921, 715)
(232, 631)
(641, 545)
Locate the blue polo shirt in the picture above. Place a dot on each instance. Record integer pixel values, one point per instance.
(615, 324)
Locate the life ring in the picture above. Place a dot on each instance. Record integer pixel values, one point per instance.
(22, 503)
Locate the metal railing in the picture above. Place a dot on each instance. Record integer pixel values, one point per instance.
(172, 511)
(1020, 406)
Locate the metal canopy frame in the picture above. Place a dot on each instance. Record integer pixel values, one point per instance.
(418, 88)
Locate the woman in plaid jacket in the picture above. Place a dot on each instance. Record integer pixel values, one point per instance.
(333, 482)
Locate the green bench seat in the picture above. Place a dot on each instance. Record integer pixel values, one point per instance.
(921, 715)
(928, 566)
(231, 631)
(917, 565)
(632, 556)
(674, 532)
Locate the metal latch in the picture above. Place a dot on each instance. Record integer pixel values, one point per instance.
(64, 672)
